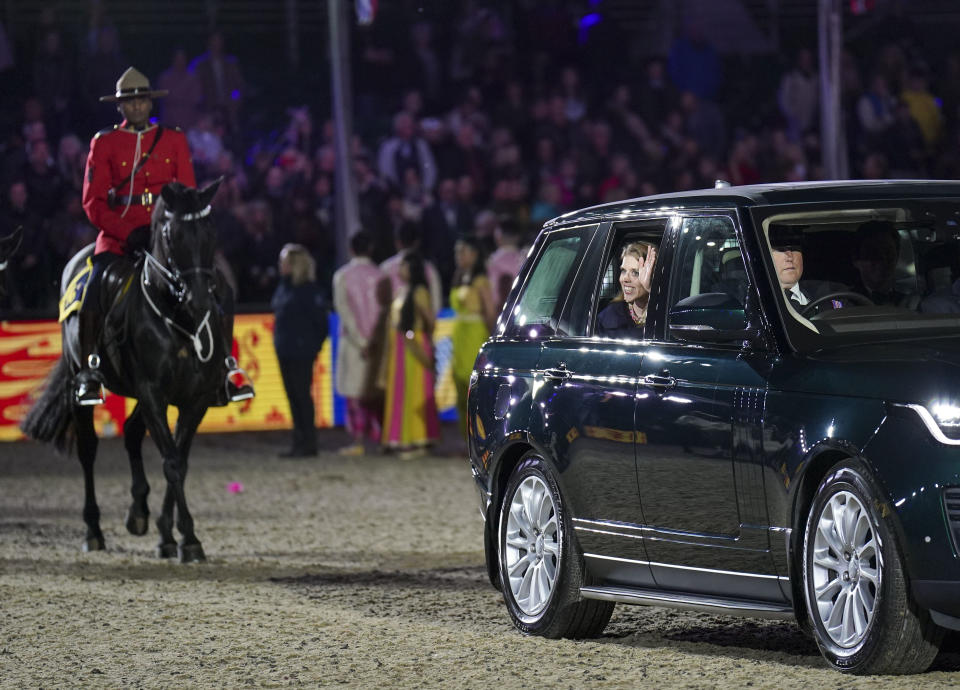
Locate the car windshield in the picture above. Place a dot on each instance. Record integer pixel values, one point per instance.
(856, 271)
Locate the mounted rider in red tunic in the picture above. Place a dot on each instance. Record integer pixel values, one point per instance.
(127, 167)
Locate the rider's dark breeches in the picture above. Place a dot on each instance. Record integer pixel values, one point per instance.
(91, 299)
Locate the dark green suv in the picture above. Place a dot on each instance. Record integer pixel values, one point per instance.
(740, 400)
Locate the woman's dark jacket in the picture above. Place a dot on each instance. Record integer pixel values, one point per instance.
(300, 319)
(615, 322)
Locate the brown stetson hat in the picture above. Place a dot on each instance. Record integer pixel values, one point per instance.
(133, 84)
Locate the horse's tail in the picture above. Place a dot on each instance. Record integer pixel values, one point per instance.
(51, 418)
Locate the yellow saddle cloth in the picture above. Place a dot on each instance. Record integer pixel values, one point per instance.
(73, 296)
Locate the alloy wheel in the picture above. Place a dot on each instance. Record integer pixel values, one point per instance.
(846, 569)
(532, 545)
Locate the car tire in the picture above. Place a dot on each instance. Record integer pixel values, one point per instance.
(858, 601)
(541, 566)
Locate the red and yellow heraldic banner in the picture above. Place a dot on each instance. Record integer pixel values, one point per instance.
(29, 350)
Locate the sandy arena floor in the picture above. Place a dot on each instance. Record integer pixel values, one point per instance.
(330, 571)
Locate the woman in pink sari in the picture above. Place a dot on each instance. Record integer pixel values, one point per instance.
(410, 416)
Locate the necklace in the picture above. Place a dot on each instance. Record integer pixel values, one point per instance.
(639, 317)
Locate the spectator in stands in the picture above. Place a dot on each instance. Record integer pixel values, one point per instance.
(468, 158)
(949, 90)
(424, 60)
(54, 80)
(30, 275)
(575, 101)
(594, 160)
(299, 132)
(257, 274)
(416, 198)
(923, 107)
(504, 264)
(44, 184)
(798, 95)
(70, 231)
(904, 146)
(876, 111)
(443, 222)
(875, 166)
(206, 141)
(182, 107)
(693, 63)
(656, 95)
(704, 124)
(546, 205)
(405, 149)
(99, 72)
(221, 82)
(71, 160)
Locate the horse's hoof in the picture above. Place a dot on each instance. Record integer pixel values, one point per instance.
(166, 550)
(93, 544)
(191, 553)
(137, 524)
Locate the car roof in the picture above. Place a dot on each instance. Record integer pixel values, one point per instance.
(763, 195)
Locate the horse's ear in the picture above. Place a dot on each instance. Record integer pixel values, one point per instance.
(208, 192)
(169, 195)
(10, 243)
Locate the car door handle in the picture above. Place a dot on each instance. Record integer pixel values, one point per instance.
(661, 382)
(557, 373)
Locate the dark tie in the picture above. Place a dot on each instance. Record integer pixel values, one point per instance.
(794, 302)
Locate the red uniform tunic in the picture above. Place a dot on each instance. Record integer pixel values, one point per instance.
(109, 165)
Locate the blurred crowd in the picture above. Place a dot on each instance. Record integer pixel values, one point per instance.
(476, 121)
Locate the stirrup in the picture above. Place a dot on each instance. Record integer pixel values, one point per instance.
(89, 387)
(238, 384)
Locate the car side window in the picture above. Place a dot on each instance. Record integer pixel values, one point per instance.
(626, 279)
(709, 271)
(537, 311)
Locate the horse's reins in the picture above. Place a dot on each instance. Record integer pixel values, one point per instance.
(177, 288)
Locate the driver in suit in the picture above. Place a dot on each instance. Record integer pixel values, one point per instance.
(786, 243)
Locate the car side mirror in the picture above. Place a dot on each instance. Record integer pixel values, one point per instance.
(712, 317)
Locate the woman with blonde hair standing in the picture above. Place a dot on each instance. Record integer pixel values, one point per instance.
(300, 327)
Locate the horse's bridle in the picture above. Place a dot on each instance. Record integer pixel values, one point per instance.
(174, 278)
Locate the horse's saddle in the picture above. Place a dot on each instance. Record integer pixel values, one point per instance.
(115, 282)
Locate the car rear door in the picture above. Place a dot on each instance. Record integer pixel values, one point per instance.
(698, 424)
(587, 403)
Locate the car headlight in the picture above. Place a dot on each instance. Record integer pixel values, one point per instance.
(942, 420)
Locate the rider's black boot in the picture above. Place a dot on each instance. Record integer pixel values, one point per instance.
(238, 385)
(88, 387)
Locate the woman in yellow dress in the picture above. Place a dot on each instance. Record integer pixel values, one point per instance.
(472, 302)
(410, 415)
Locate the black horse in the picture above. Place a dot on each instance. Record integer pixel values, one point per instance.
(163, 343)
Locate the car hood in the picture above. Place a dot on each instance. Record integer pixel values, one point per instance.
(921, 370)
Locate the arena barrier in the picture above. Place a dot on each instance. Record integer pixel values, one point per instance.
(29, 349)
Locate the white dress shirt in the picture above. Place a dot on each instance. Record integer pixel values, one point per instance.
(797, 295)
